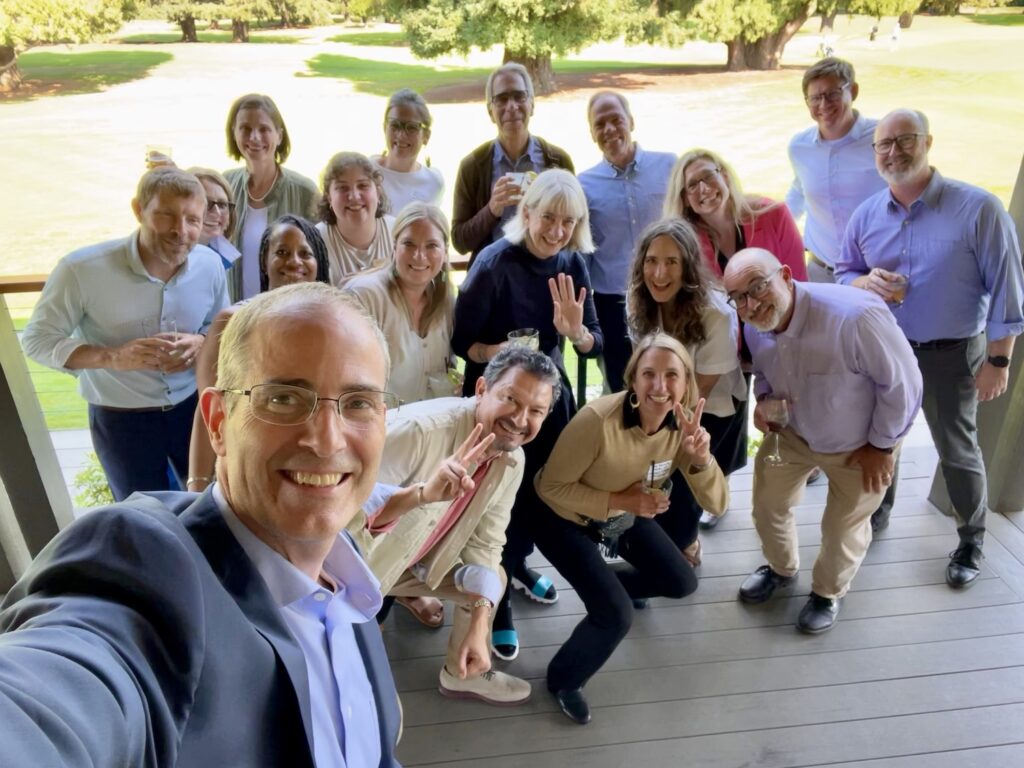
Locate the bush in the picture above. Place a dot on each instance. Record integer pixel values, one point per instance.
(91, 483)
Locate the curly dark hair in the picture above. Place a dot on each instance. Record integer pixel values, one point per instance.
(313, 237)
(682, 316)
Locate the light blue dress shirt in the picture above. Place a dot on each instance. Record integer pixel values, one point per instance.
(848, 372)
(958, 246)
(622, 202)
(102, 295)
(342, 705)
(831, 178)
(531, 160)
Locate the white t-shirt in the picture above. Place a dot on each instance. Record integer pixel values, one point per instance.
(424, 184)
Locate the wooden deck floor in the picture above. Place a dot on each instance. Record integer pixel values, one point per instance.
(913, 675)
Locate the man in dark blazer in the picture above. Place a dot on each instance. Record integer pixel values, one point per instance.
(232, 628)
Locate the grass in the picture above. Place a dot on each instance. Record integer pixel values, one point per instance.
(998, 19)
(48, 73)
(208, 36)
(381, 78)
(58, 395)
(390, 39)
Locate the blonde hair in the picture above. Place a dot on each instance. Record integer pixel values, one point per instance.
(661, 340)
(554, 191)
(167, 179)
(440, 300)
(215, 177)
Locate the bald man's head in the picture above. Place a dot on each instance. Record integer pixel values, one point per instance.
(760, 288)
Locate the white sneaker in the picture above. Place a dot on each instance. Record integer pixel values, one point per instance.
(492, 687)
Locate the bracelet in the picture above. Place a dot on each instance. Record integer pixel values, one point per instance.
(419, 495)
(199, 479)
(582, 337)
(481, 603)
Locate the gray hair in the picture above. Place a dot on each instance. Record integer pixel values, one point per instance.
(234, 361)
(557, 191)
(511, 67)
(535, 363)
(409, 97)
(613, 94)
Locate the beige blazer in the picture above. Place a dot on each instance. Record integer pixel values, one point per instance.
(420, 437)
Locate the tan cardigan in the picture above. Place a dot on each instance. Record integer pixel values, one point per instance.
(596, 455)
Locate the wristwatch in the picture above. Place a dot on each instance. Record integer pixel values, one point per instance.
(483, 602)
(999, 361)
(890, 449)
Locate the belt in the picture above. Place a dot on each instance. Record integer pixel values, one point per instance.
(154, 409)
(938, 343)
(820, 263)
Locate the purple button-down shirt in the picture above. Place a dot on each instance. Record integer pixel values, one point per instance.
(845, 367)
(959, 248)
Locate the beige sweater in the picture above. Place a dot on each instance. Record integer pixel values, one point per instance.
(597, 455)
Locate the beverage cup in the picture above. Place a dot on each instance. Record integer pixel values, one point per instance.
(899, 285)
(527, 337)
(661, 486)
(157, 155)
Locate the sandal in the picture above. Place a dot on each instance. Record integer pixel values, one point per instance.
(536, 587)
(429, 611)
(505, 644)
(692, 553)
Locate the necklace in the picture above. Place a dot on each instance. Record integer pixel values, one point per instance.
(253, 198)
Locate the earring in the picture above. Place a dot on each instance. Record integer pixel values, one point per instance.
(634, 401)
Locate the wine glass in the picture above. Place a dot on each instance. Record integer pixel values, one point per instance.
(776, 413)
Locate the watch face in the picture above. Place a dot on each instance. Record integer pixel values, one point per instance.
(999, 361)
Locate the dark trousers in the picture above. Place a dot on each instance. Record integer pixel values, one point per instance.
(611, 314)
(654, 567)
(134, 448)
(729, 447)
(950, 406)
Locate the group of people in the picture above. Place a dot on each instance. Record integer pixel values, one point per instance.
(905, 292)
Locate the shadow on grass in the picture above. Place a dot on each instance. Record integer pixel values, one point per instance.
(213, 36)
(998, 19)
(52, 74)
(461, 84)
(392, 39)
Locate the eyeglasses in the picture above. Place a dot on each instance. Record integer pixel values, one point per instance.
(904, 141)
(756, 291)
(219, 205)
(830, 96)
(694, 186)
(502, 99)
(287, 405)
(401, 126)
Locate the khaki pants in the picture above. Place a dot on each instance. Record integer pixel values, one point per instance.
(409, 586)
(845, 523)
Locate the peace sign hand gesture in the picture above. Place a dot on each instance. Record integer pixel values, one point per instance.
(568, 318)
(696, 440)
(455, 474)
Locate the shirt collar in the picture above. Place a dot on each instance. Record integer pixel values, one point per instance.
(635, 166)
(801, 306)
(499, 151)
(857, 130)
(357, 587)
(135, 260)
(931, 196)
(631, 416)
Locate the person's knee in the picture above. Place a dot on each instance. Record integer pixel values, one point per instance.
(681, 583)
(615, 616)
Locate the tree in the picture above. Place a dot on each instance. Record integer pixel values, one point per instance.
(755, 32)
(880, 8)
(530, 30)
(27, 23)
(952, 7)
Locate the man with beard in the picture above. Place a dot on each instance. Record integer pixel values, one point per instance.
(460, 463)
(944, 255)
(851, 389)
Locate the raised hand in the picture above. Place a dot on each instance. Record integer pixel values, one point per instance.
(455, 474)
(696, 440)
(568, 319)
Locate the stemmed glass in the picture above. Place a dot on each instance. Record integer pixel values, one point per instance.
(776, 413)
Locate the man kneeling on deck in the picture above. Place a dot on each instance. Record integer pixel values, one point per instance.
(460, 463)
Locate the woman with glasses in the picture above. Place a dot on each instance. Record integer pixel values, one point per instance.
(605, 481)
(219, 221)
(412, 301)
(406, 131)
(263, 189)
(532, 281)
(291, 251)
(671, 288)
(704, 190)
(354, 220)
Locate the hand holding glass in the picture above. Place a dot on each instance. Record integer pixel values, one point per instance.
(775, 411)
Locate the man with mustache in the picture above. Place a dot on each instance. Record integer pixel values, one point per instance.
(460, 463)
(128, 318)
(944, 255)
(235, 627)
(852, 388)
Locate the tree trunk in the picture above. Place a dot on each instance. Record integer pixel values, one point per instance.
(188, 29)
(765, 53)
(539, 68)
(239, 31)
(828, 22)
(906, 19)
(10, 74)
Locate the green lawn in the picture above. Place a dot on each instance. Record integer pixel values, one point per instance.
(998, 19)
(49, 72)
(58, 396)
(207, 36)
(390, 39)
(381, 78)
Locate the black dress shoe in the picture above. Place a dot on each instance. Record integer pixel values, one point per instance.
(879, 521)
(760, 585)
(640, 603)
(818, 615)
(573, 704)
(964, 566)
